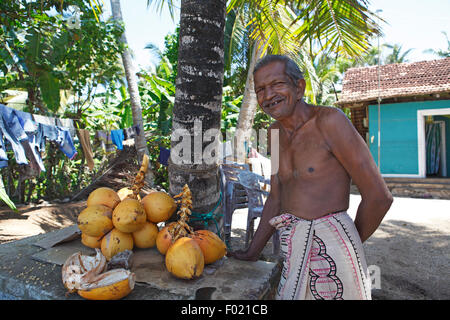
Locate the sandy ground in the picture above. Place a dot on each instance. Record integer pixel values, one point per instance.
(409, 253)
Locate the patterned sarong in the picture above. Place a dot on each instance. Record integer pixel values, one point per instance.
(323, 259)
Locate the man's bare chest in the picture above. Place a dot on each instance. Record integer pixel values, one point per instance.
(303, 156)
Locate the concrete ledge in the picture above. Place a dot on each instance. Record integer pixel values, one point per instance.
(24, 278)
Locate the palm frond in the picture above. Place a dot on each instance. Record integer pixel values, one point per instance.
(160, 4)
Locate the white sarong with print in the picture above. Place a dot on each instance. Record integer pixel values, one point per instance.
(323, 259)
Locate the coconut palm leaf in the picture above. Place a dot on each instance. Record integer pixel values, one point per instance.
(340, 26)
(160, 4)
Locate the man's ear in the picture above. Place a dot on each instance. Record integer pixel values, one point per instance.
(301, 86)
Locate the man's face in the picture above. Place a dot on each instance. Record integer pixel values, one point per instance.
(277, 94)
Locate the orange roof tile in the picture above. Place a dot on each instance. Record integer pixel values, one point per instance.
(396, 80)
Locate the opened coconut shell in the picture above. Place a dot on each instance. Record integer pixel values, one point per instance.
(111, 285)
(95, 220)
(86, 275)
(79, 269)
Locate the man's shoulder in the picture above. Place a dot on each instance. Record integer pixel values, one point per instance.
(326, 116)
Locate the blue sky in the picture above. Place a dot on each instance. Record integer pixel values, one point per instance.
(415, 24)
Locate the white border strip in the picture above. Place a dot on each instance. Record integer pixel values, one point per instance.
(422, 160)
(400, 175)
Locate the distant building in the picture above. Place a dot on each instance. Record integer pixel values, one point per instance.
(414, 115)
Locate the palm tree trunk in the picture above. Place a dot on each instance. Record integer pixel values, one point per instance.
(249, 104)
(140, 141)
(198, 102)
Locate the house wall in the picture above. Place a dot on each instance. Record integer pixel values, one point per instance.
(357, 116)
(399, 149)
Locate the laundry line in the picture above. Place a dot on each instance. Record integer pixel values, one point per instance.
(26, 134)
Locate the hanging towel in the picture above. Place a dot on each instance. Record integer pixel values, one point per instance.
(44, 120)
(117, 138)
(85, 141)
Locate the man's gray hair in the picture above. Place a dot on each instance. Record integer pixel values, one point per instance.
(290, 67)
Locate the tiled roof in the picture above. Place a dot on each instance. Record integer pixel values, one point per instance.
(396, 80)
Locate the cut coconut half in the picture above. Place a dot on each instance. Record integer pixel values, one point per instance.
(80, 268)
(86, 275)
(111, 285)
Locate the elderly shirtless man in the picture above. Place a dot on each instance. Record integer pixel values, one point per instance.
(320, 153)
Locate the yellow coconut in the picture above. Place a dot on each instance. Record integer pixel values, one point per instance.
(111, 285)
(125, 192)
(164, 239)
(91, 242)
(213, 248)
(105, 196)
(129, 216)
(146, 236)
(116, 241)
(95, 220)
(159, 206)
(184, 259)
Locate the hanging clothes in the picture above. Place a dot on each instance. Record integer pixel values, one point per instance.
(117, 138)
(67, 124)
(13, 131)
(62, 138)
(164, 155)
(31, 146)
(3, 156)
(85, 140)
(44, 120)
(130, 133)
(65, 143)
(103, 141)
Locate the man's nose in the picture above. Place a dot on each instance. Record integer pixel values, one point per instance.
(269, 93)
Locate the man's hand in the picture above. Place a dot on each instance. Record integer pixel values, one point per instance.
(241, 255)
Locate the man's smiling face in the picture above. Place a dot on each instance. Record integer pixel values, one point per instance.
(276, 92)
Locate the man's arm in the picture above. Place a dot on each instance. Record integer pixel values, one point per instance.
(352, 152)
(264, 230)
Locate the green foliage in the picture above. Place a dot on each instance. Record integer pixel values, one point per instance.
(4, 196)
(230, 110)
(43, 56)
